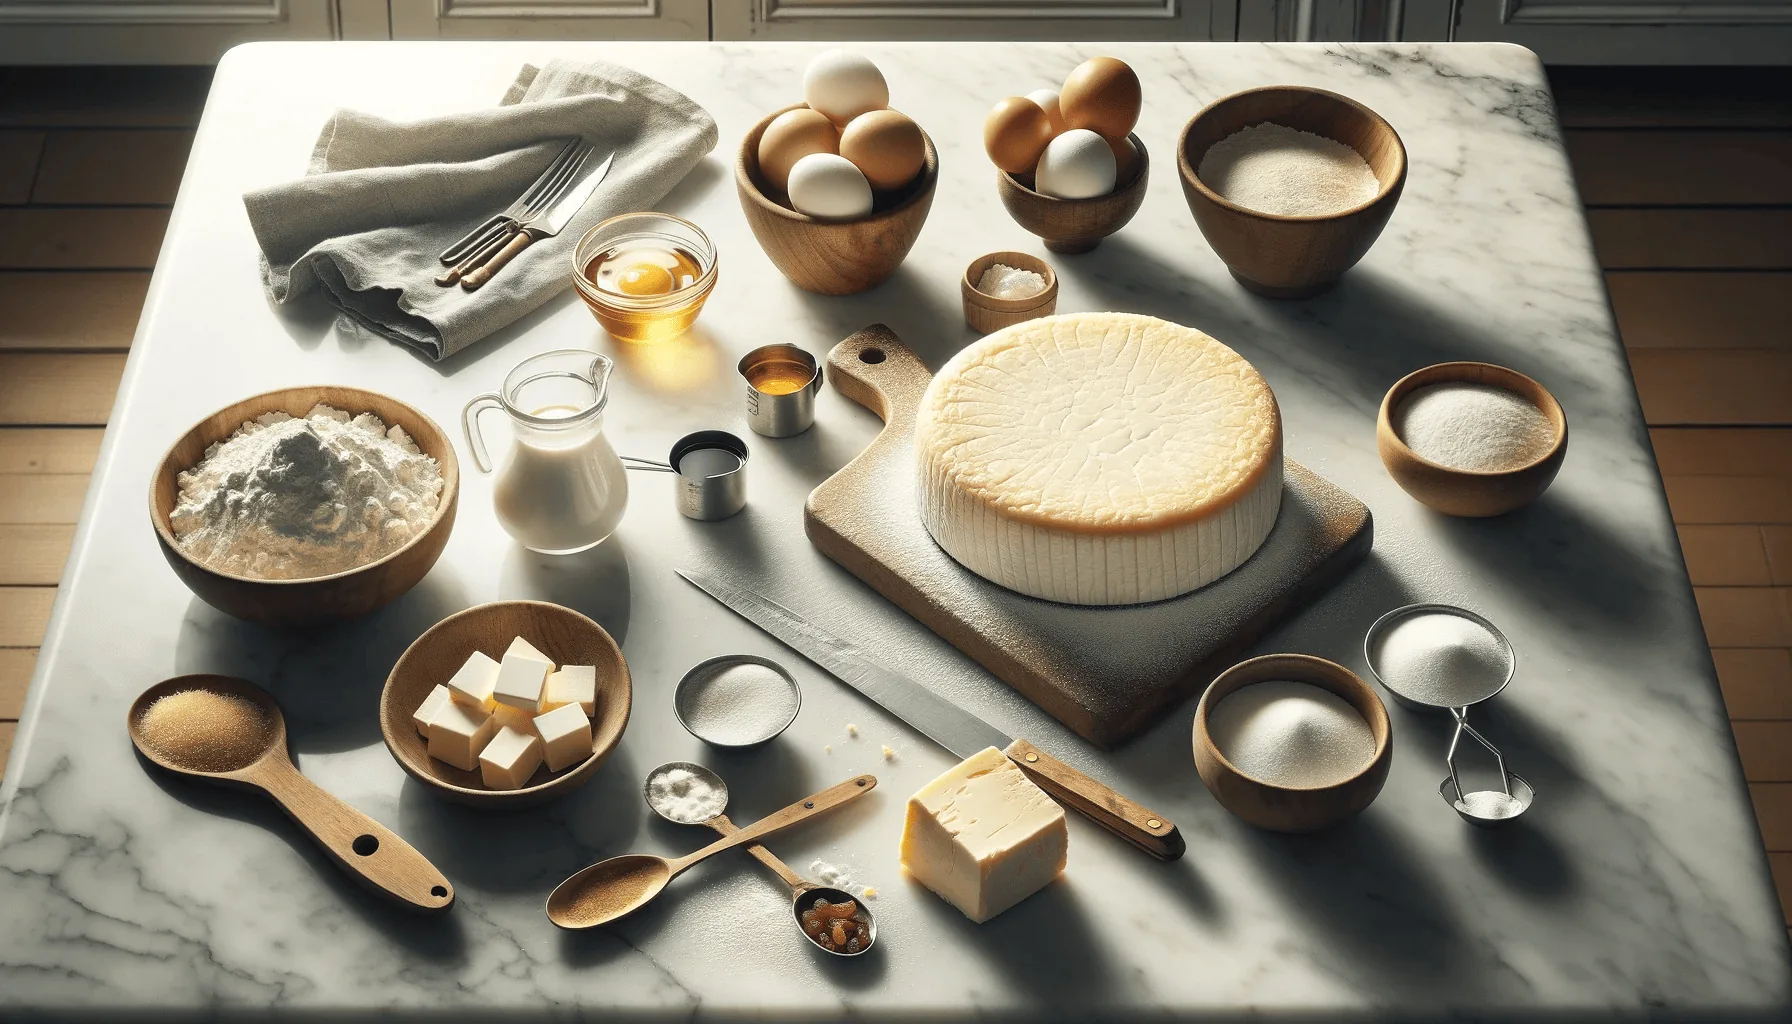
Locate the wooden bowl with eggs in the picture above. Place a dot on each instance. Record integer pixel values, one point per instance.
(1076, 225)
(297, 602)
(833, 257)
(1279, 808)
(1291, 257)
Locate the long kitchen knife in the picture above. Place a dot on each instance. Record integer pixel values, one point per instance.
(947, 724)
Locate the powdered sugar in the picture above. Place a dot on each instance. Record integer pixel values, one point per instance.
(289, 498)
(1473, 427)
(1272, 168)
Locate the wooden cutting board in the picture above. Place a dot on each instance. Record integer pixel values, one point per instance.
(1106, 672)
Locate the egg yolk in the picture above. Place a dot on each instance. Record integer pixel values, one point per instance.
(644, 279)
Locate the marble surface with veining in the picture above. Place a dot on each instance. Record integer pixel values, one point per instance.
(1635, 887)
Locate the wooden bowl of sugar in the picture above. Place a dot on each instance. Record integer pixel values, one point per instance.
(564, 635)
(337, 595)
(1282, 242)
(1292, 743)
(1471, 439)
(987, 312)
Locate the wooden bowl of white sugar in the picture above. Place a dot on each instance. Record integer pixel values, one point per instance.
(1300, 184)
(260, 573)
(1471, 439)
(1292, 743)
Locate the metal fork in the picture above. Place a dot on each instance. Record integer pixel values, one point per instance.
(546, 190)
(477, 237)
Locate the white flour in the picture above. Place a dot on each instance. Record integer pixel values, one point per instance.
(1473, 427)
(286, 498)
(1272, 168)
(1291, 734)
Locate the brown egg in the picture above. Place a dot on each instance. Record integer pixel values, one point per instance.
(1126, 159)
(1102, 95)
(791, 136)
(886, 145)
(1015, 133)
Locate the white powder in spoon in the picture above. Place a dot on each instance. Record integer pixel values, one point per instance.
(1291, 734)
(1491, 804)
(685, 796)
(1441, 659)
(1473, 427)
(737, 704)
(1271, 168)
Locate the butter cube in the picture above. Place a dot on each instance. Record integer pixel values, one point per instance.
(516, 718)
(526, 649)
(509, 759)
(520, 681)
(472, 685)
(458, 733)
(566, 732)
(573, 684)
(983, 837)
(427, 710)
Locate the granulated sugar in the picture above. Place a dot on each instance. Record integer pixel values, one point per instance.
(1491, 804)
(737, 704)
(206, 731)
(1005, 282)
(1441, 659)
(286, 498)
(1291, 734)
(1271, 168)
(1473, 427)
(683, 795)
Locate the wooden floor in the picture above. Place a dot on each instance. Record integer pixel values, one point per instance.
(1687, 176)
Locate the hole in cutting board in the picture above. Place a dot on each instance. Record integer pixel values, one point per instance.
(438, 890)
(365, 845)
(871, 355)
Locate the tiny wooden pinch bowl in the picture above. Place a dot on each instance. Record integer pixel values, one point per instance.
(1075, 225)
(986, 313)
(562, 634)
(1466, 492)
(1284, 257)
(1282, 808)
(298, 602)
(834, 257)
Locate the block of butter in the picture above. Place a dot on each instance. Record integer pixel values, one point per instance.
(983, 837)
(573, 684)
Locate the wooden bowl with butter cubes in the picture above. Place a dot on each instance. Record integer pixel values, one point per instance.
(507, 704)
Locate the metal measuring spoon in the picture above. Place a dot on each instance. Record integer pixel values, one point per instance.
(614, 888)
(803, 893)
(374, 855)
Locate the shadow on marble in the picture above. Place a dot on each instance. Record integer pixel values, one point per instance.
(307, 322)
(440, 939)
(736, 547)
(933, 330)
(328, 678)
(1044, 946)
(594, 583)
(708, 173)
(814, 455)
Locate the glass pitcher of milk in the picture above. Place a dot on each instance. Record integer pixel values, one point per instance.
(563, 488)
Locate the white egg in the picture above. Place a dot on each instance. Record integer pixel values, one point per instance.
(830, 187)
(1047, 100)
(844, 85)
(1076, 165)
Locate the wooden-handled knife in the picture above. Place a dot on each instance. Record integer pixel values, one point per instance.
(947, 724)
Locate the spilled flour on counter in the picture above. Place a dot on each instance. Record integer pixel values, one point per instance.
(290, 498)
(836, 877)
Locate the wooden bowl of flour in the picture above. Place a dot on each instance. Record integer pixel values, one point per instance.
(297, 602)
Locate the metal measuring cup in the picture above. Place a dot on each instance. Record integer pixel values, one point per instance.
(782, 382)
(711, 471)
(803, 893)
(1489, 808)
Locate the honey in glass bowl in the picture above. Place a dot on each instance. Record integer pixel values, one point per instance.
(645, 276)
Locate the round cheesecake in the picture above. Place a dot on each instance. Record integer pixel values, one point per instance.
(1099, 459)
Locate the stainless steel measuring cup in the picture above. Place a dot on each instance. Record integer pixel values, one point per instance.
(782, 382)
(710, 467)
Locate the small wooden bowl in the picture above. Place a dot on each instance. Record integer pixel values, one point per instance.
(1291, 257)
(986, 313)
(1075, 225)
(560, 633)
(320, 598)
(1281, 808)
(1466, 492)
(828, 256)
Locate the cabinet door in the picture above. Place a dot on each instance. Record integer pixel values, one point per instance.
(151, 31)
(1617, 31)
(550, 19)
(974, 19)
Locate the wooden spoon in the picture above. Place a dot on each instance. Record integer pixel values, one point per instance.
(367, 850)
(614, 888)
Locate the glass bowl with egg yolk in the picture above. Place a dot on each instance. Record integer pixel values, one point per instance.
(645, 276)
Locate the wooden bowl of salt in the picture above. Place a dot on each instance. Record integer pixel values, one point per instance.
(1289, 757)
(1471, 439)
(987, 312)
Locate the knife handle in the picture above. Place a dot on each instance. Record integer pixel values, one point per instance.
(484, 273)
(479, 254)
(1138, 825)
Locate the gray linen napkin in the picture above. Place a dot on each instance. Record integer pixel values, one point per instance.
(382, 199)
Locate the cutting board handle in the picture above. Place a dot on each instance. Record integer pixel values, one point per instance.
(875, 369)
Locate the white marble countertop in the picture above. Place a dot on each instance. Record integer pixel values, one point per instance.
(1637, 886)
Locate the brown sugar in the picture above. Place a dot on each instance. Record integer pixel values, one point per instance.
(206, 731)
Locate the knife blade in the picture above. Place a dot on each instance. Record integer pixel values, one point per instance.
(943, 722)
(545, 224)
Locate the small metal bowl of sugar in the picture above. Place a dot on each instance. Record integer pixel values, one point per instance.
(737, 701)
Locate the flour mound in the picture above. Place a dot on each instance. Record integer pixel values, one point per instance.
(288, 498)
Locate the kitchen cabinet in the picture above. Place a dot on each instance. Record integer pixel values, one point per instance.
(550, 19)
(974, 19)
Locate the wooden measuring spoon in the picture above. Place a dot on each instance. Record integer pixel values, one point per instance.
(614, 888)
(367, 850)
